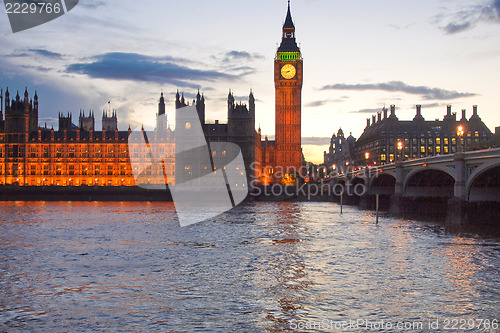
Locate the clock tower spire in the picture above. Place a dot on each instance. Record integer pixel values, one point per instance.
(288, 78)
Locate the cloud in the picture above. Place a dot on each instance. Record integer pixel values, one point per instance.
(91, 4)
(315, 141)
(432, 105)
(467, 18)
(240, 55)
(46, 53)
(401, 27)
(138, 67)
(40, 52)
(367, 110)
(314, 104)
(38, 68)
(427, 93)
(453, 28)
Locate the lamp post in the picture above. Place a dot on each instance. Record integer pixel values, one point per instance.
(460, 134)
(400, 149)
(367, 156)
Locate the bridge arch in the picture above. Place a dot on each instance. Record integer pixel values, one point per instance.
(429, 182)
(489, 174)
(384, 183)
(445, 169)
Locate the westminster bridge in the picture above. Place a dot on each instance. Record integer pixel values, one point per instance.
(466, 184)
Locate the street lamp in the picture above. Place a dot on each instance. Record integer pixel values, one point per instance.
(460, 133)
(400, 148)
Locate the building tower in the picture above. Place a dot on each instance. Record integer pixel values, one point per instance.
(65, 122)
(86, 123)
(109, 122)
(288, 88)
(20, 115)
(241, 128)
(161, 116)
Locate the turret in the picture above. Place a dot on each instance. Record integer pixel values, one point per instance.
(200, 107)
(7, 98)
(464, 116)
(393, 112)
(161, 105)
(179, 102)
(418, 114)
(474, 113)
(64, 122)
(35, 101)
(86, 123)
(251, 103)
(109, 123)
(230, 101)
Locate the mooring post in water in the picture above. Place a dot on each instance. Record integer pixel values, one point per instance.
(340, 202)
(376, 206)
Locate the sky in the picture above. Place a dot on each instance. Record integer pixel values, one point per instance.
(358, 56)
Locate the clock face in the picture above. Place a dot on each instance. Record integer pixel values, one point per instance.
(288, 71)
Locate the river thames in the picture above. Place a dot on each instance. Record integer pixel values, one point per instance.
(263, 267)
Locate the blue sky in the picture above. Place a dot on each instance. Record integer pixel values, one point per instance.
(358, 56)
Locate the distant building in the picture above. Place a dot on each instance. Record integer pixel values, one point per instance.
(387, 139)
(341, 150)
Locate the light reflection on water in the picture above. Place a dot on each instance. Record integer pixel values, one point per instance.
(129, 266)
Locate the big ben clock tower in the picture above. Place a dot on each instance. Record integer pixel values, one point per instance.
(288, 88)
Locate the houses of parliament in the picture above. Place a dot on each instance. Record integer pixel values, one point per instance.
(79, 155)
